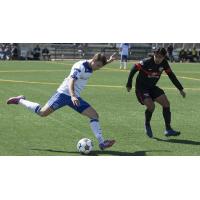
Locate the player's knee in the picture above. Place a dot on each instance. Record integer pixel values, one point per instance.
(166, 104)
(96, 116)
(151, 107)
(43, 114)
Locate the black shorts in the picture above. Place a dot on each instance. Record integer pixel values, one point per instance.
(152, 93)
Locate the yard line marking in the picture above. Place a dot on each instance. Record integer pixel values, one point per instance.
(184, 77)
(30, 71)
(103, 69)
(28, 82)
(90, 85)
(189, 78)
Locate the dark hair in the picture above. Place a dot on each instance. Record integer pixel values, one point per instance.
(100, 57)
(161, 51)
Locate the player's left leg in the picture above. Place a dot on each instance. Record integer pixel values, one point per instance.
(96, 128)
(164, 102)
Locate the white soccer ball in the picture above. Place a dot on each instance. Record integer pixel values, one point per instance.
(85, 146)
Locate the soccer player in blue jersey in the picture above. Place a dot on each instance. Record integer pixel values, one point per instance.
(124, 51)
(147, 92)
(68, 94)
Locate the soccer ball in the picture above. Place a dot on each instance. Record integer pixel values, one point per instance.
(85, 146)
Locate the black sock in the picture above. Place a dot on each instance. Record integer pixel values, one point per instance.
(167, 117)
(148, 115)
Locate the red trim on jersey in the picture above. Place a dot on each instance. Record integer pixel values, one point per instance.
(168, 71)
(138, 66)
(147, 73)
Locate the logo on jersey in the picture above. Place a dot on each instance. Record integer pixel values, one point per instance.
(75, 75)
(146, 94)
(154, 75)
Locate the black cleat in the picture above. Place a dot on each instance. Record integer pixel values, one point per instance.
(148, 130)
(172, 132)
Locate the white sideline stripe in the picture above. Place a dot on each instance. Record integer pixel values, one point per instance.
(103, 86)
(189, 78)
(30, 71)
(104, 69)
(28, 82)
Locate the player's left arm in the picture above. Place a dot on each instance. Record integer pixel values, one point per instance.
(175, 81)
(112, 58)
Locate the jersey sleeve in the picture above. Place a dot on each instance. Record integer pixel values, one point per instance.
(76, 71)
(167, 68)
(134, 69)
(138, 66)
(172, 77)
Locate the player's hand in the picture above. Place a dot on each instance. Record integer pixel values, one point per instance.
(75, 101)
(183, 94)
(113, 57)
(128, 88)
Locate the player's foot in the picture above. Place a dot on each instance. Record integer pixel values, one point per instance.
(106, 144)
(172, 132)
(15, 100)
(148, 130)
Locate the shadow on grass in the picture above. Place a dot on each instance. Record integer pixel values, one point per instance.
(178, 141)
(96, 153)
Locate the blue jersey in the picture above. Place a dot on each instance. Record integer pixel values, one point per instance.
(124, 49)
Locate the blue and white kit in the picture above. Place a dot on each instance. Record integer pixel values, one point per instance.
(81, 72)
(124, 51)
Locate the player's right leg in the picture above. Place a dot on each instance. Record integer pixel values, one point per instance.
(32, 106)
(45, 111)
(121, 62)
(55, 102)
(150, 107)
(145, 99)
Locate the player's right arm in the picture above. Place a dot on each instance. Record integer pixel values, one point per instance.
(74, 76)
(134, 69)
(74, 99)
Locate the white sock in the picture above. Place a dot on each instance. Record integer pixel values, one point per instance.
(125, 64)
(121, 64)
(96, 129)
(34, 107)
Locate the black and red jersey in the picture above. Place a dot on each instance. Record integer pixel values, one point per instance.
(150, 73)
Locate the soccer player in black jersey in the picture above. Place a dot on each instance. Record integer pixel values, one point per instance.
(150, 70)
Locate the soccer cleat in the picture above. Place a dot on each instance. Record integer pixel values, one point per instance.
(106, 144)
(172, 132)
(15, 100)
(148, 130)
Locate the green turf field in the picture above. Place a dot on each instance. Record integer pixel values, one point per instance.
(121, 116)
